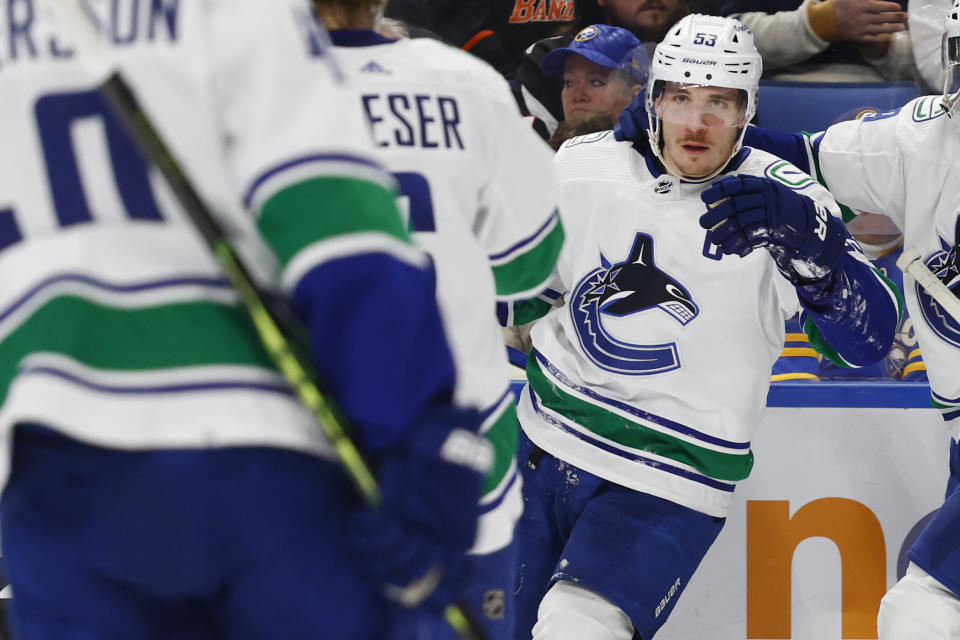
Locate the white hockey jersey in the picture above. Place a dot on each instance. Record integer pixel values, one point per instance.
(477, 187)
(905, 163)
(655, 372)
(117, 326)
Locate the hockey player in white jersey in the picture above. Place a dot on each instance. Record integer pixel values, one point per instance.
(160, 479)
(645, 388)
(905, 164)
(477, 188)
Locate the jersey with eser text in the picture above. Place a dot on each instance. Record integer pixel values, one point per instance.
(477, 189)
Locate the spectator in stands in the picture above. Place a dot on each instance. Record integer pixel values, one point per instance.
(926, 33)
(647, 19)
(828, 40)
(497, 31)
(538, 94)
(602, 69)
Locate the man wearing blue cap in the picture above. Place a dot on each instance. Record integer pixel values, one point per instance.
(602, 70)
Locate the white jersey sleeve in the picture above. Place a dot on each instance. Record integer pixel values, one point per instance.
(518, 221)
(862, 166)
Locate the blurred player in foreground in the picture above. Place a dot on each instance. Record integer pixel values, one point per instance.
(161, 480)
(478, 193)
(904, 163)
(644, 389)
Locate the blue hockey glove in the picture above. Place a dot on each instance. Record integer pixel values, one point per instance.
(431, 483)
(748, 212)
(632, 121)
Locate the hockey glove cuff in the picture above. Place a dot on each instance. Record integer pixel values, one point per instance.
(431, 483)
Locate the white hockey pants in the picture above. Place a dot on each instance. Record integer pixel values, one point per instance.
(919, 608)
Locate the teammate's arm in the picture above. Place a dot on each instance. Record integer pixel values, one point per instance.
(365, 294)
(518, 223)
(851, 310)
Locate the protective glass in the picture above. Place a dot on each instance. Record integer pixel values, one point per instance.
(635, 66)
(950, 55)
(700, 106)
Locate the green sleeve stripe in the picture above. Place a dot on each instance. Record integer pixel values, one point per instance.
(503, 435)
(322, 208)
(165, 336)
(614, 427)
(895, 293)
(818, 342)
(527, 272)
(847, 213)
(530, 310)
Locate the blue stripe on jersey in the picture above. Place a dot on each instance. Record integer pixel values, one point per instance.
(486, 413)
(951, 415)
(486, 508)
(599, 444)
(9, 231)
(534, 237)
(517, 358)
(644, 415)
(358, 38)
(296, 162)
(551, 295)
(377, 341)
(944, 399)
(203, 281)
(791, 147)
(158, 389)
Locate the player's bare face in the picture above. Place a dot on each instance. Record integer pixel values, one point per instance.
(589, 88)
(649, 19)
(700, 126)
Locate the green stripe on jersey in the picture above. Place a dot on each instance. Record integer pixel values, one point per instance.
(503, 435)
(160, 337)
(714, 464)
(818, 342)
(846, 212)
(530, 310)
(322, 208)
(530, 269)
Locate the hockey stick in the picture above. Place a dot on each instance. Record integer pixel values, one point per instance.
(911, 261)
(277, 326)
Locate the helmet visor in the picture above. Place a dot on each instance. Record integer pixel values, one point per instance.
(700, 106)
(635, 66)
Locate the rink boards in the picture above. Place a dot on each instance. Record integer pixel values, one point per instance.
(844, 475)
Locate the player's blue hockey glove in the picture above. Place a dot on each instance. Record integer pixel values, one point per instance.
(632, 121)
(747, 212)
(431, 483)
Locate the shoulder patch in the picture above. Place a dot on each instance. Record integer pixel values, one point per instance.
(587, 138)
(870, 115)
(929, 108)
(785, 173)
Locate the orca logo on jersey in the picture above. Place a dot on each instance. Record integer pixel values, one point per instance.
(623, 289)
(945, 265)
